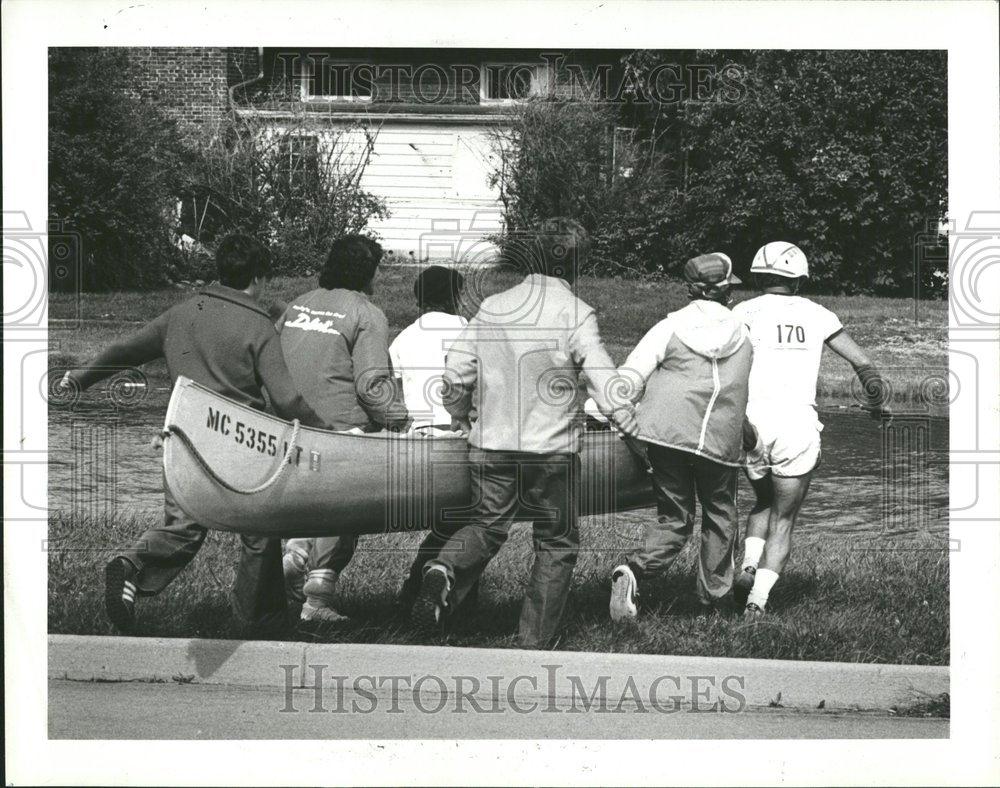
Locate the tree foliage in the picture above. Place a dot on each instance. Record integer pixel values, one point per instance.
(116, 165)
(119, 169)
(841, 152)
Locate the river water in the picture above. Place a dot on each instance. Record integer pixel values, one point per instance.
(874, 482)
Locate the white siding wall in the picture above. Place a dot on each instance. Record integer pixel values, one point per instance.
(435, 179)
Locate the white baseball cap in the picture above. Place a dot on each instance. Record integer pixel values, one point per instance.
(781, 258)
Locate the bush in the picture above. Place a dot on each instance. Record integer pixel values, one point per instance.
(842, 153)
(295, 188)
(555, 160)
(116, 165)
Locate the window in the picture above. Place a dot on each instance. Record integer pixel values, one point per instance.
(505, 83)
(299, 157)
(324, 79)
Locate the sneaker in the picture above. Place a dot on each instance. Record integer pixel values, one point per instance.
(319, 594)
(427, 615)
(743, 585)
(624, 592)
(321, 614)
(119, 594)
(753, 611)
(293, 565)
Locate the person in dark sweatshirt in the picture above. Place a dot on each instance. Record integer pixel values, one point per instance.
(223, 339)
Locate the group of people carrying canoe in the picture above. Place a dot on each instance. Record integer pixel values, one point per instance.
(707, 391)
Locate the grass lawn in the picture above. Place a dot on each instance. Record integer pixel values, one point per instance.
(838, 599)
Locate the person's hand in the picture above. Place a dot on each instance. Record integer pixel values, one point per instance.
(65, 385)
(157, 442)
(400, 424)
(625, 421)
(461, 424)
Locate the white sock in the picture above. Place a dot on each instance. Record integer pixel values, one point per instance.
(763, 582)
(753, 549)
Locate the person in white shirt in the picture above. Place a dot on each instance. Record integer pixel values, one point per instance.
(418, 354)
(418, 357)
(788, 333)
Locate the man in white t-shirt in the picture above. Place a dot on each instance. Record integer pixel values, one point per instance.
(418, 358)
(418, 354)
(788, 333)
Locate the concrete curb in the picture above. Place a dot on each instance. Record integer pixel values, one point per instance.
(561, 678)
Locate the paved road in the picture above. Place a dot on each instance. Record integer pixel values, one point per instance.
(89, 710)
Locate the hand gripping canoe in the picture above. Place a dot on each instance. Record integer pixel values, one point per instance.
(233, 468)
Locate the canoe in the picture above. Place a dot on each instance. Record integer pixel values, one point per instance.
(233, 468)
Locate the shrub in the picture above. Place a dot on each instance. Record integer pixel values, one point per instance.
(116, 165)
(556, 160)
(842, 153)
(295, 187)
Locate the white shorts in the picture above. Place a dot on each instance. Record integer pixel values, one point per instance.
(789, 445)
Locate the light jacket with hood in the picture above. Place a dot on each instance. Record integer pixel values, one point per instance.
(690, 374)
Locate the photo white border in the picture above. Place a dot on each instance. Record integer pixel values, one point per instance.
(968, 30)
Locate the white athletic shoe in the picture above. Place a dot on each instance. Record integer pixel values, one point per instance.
(319, 592)
(322, 614)
(624, 591)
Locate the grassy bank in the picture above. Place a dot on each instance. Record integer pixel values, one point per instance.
(911, 352)
(842, 598)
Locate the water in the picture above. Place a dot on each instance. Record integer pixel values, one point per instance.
(877, 483)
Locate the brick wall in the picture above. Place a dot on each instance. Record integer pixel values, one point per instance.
(189, 82)
(192, 83)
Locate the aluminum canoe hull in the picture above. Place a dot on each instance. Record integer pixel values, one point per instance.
(345, 484)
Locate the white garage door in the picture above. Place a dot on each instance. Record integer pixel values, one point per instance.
(435, 179)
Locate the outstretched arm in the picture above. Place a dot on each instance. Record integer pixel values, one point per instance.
(143, 346)
(871, 381)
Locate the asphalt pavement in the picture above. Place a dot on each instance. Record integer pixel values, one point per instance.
(175, 710)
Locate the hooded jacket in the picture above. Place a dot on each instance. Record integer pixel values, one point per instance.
(690, 374)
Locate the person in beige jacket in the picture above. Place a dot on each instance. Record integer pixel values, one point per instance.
(520, 362)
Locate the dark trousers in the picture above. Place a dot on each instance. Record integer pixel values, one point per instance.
(162, 552)
(331, 552)
(544, 486)
(680, 478)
